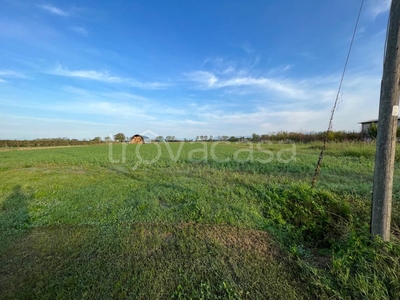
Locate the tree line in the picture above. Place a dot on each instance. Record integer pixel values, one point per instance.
(296, 137)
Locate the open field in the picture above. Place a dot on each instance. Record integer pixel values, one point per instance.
(191, 221)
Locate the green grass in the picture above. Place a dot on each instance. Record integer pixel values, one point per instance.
(195, 223)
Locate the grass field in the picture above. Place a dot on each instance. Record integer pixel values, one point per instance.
(193, 221)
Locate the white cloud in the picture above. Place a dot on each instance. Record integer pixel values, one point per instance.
(287, 68)
(11, 74)
(268, 83)
(287, 104)
(208, 80)
(54, 10)
(205, 79)
(377, 7)
(124, 112)
(80, 30)
(105, 76)
(86, 74)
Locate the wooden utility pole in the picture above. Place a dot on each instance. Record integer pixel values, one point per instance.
(387, 127)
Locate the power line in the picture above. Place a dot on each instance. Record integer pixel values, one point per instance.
(321, 155)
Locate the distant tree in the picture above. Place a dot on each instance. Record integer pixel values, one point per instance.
(211, 138)
(201, 137)
(205, 137)
(168, 138)
(97, 139)
(255, 137)
(159, 139)
(120, 137)
(233, 139)
(107, 139)
(373, 130)
(172, 138)
(197, 138)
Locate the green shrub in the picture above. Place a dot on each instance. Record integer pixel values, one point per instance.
(311, 223)
(310, 216)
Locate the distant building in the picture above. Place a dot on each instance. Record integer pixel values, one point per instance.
(366, 124)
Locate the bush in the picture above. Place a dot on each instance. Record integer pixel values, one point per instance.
(309, 216)
(311, 223)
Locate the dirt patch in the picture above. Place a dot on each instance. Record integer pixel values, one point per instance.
(238, 239)
(241, 239)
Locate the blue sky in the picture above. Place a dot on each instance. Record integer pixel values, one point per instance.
(89, 68)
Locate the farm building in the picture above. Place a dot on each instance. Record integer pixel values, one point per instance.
(139, 139)
(365, 125)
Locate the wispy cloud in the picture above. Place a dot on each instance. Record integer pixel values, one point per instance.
(54, 10)
(208, 80)
(287, 68)
(105, 76)
(246, 46)
(12, 74)
(226, 116)
(80, 30)
(268, 83)
(377, 7)
(203, 78)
